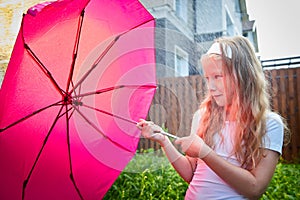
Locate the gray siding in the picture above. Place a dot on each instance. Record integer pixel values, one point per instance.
(206, 20)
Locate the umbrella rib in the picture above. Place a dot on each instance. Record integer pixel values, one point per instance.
(40, 152)
(145, 22)
(44, 69)
(74, 90)
(69, 154)
(111, 44)
(100, 91)
(75, 51)
(66, 112)
(115, 88)
(99, 131)
(110, 114)
(41, 65)
(28, 116)
(97, 61)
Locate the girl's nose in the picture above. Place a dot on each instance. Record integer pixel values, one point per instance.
(211, 85)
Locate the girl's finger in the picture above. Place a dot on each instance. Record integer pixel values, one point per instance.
(179, 140)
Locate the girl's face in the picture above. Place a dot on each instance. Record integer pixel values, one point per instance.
(213, 73)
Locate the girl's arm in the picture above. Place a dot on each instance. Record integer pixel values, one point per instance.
(252, 184)
(184, 165)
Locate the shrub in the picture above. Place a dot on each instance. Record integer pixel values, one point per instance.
(285, 183)
(150, 176)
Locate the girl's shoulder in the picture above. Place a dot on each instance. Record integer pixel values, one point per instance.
(196, 121)
(274, 132)
(199, 113)
(274, 118)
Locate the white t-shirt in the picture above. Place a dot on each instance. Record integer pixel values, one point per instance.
(205, 183)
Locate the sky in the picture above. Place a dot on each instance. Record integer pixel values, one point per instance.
(278, 27)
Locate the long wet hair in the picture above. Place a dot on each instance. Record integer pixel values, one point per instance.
(249, 105)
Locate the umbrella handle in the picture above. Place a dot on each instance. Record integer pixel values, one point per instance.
(164, 133)
(169, 135)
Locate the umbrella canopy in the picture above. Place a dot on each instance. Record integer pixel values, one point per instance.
(80, 75)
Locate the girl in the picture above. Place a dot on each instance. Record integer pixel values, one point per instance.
(235, 139)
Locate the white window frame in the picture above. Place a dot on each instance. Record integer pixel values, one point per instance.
(181, 68)
(181, 9)
(231, 29)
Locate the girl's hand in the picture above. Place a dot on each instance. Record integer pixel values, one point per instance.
(151, 131)
(193, 146)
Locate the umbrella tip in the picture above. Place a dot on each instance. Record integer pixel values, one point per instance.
(33, 11)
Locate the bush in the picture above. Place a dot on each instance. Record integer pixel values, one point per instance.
(285, 183)
(150, 176)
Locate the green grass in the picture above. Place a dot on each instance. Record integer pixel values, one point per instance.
(150, 176)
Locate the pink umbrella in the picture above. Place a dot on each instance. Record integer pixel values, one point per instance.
(81, 74)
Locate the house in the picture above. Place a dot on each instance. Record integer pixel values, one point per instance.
(186, 29)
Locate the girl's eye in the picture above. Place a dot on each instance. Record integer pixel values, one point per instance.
(218, 76)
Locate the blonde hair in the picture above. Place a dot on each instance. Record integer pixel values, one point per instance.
(250, 102)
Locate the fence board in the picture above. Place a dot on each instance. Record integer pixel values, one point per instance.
(297, 113)
(274, 86)
(291, 105)
(282, 108)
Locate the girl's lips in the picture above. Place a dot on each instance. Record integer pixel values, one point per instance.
(217, 95)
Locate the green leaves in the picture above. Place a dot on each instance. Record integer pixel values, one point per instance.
(285, 183)
(148, 185)
(150, 176)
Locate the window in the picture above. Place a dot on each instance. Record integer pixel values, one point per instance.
(230, 25)
(181, 62)
(181, 9)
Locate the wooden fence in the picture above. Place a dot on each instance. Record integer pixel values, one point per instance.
(178, 98)
(286, 101)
